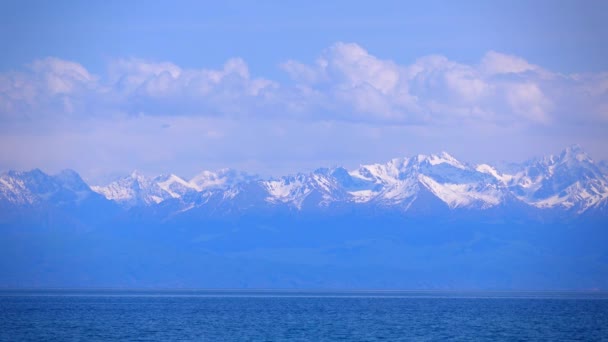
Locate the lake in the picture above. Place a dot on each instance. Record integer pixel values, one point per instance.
(270, 315)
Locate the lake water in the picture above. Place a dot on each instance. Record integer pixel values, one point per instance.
(103, 315)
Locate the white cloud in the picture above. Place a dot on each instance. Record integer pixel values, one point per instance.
(56, 88)
(50, 86)
(345, 83)
(437, 80)
(56, 77)
(528, 101)
(346, 107)
(302, 73)
(351, 84)
(354, 67)
(504, 89)
(129, 74)
(498, 63)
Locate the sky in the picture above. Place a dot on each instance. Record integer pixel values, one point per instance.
(276, 87)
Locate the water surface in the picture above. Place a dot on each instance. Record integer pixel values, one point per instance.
(235, 315)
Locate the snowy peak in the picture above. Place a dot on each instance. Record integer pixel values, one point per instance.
(457, 184)
(442, 158)
(321, 187)
(136, 174)
(458, 195)
(570, 180)
(399, 181)
(31, 187)
(220, 179)
(14, 191)
(379, 173)
(175, 186)
(490, 170)
(135, 189)
(574, 152)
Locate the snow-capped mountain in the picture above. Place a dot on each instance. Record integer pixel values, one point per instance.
(174, 185)
(569, 181)
(220, 179)
(318, 188)
(396, 183)
(400, 180)
(34, 187)
(14, 190)
(137, 189)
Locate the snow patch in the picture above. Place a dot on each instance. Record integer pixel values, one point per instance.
(462, 195)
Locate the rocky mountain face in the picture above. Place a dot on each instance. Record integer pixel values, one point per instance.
(36, 187)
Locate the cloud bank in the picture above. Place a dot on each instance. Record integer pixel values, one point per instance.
(346, 83)
(153, 113)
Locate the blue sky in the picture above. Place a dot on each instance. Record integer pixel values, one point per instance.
(272, 87)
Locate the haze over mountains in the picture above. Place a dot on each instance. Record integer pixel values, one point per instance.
(536, 225)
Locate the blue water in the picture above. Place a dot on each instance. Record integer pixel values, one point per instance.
(300, 316)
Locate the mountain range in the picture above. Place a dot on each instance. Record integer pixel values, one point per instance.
(411, 222)
(570, 181)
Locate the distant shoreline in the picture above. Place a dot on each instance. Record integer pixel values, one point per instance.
(303, 293)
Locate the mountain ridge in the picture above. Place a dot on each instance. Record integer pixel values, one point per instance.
(569, 181)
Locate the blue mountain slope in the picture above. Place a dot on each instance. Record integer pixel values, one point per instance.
(313, 252)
